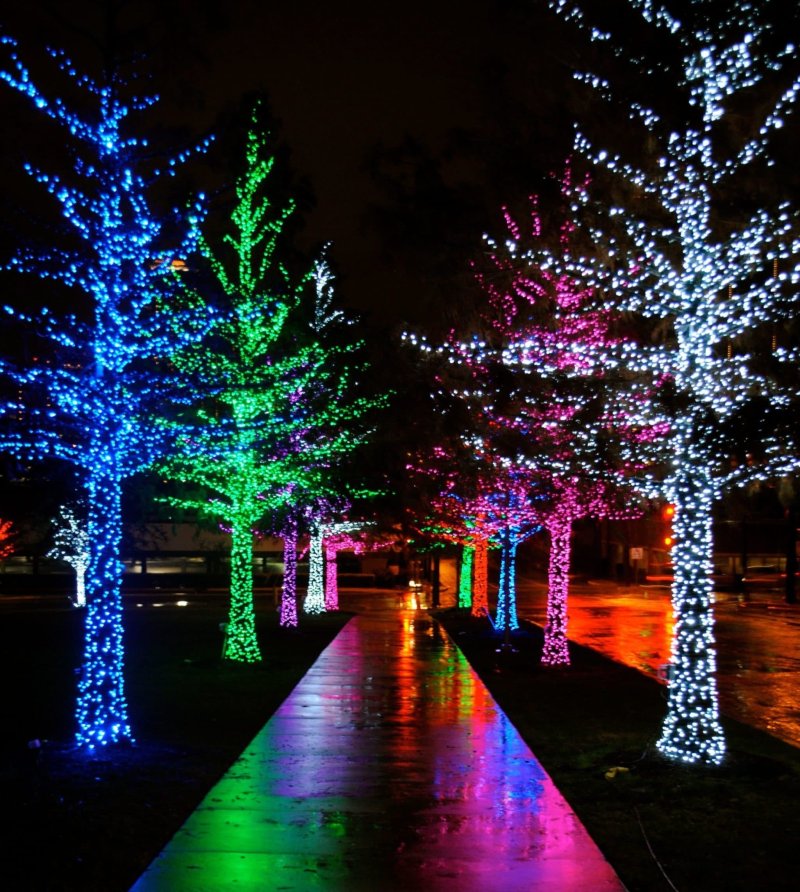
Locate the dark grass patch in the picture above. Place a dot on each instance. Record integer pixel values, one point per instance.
(74, 823)
(594, 725)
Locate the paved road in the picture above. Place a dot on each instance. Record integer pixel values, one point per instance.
(388, 767)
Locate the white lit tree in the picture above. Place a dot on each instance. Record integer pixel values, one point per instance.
(668, 256)
(71, 544)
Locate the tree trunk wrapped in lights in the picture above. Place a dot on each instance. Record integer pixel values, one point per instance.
(288, 612)
(556, 644)
(465, 576)
(480, 587)
(673, 256)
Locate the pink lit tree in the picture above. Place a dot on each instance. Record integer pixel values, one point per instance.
(579, 424)
(560, 429)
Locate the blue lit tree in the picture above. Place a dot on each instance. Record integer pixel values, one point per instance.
(671, 258)
(96, 399)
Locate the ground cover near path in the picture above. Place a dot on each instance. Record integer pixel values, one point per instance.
(593, 726)
(73, 824)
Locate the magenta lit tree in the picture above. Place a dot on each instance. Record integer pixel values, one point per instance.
(344, 536)
(578, 424)
(560, 429)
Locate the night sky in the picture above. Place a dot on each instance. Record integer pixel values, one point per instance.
(410, 123)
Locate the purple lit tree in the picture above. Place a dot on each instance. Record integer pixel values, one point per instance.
(670, 253)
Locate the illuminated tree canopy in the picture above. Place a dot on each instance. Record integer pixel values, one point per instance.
(703, 283)
(580, 431)
(103, 378)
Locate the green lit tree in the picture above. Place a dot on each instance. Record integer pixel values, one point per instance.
(276, 408)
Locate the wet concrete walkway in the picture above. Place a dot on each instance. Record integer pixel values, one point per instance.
(389, 767)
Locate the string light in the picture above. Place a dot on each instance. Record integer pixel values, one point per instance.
(711, 287)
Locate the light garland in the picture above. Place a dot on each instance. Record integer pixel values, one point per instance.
(711, 287)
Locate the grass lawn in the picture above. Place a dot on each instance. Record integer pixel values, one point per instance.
(70, 823)
(73, 823)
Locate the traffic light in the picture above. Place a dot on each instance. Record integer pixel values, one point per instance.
(667, 514)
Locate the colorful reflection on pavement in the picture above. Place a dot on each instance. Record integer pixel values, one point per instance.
(388, 767)
(758, 647)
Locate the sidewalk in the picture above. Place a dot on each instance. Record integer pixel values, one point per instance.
(389, 767)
